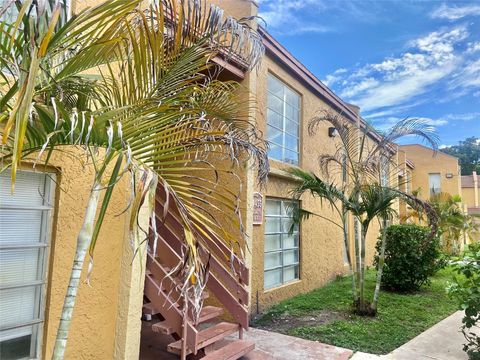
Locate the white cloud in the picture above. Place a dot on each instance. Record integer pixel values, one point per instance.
(473, 47)
(434, 122)
(463, 117)
(455, 12)
(293, 17)
(385, 124)
(282, 16)
(385, 87)
(337, 75)
(467, 77)
(396, 80)
(351, 91)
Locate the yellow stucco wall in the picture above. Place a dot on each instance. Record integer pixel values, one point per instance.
(98, 323)
(468, 196)
(426, 161)
(93, 326)
(321, 242)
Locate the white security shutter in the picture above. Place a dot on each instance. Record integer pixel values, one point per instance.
(24, 239)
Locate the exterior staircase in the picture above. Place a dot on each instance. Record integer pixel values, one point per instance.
(198, 339)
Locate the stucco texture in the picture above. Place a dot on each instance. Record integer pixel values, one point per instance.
(321, 242)
(427, 161)
(470, 197)
(92, 331)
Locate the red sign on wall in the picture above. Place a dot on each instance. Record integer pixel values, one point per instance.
(257, 209)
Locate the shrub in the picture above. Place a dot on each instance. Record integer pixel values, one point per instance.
(466, 290)
(411, 257)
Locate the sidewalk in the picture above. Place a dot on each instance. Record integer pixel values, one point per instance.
(442, 341)
(274, 346)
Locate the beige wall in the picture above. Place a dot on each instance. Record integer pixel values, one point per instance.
(471, 194)
(93, 326)
(468, 196)
(321, 242)
(426, 161)
(98, 329)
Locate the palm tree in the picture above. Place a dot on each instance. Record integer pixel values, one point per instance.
(453, 222)
(153, 111)
(365, 191)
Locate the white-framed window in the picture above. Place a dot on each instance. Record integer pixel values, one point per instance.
(25, 222)
(282, 257)
(434, 181)
(11, 14)
(283, 121)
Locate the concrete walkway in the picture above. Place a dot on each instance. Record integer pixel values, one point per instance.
(275, 346)
(268, 346)
(442, 341)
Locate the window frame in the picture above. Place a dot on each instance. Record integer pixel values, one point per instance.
(281, 250)
(66, 11)
(44, 246)
(284, 117)
(430, 188)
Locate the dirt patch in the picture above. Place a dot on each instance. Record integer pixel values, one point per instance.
(285, 322)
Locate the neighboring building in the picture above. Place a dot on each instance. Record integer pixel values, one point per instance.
(106, 322)
(471, 198)
(470, 192)
(432, 171)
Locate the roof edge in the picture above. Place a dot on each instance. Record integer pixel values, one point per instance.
(286, 58)
(429, 148)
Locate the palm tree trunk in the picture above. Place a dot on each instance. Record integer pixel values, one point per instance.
(349, 256)
(358, 262)
(83, 242)
(362, 268)
(381, 262)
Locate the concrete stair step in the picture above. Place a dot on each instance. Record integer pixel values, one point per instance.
(232, 351)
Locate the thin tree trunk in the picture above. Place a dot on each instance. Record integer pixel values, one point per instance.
(83, 242)
(349, 256)
(381, 262)
(358, 262)
(362, 268)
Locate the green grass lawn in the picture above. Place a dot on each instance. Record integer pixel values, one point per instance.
(325, 315)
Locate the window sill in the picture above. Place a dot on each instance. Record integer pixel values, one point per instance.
(282, 174)
(282, 286)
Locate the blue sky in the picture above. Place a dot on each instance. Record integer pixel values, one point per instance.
(393, 58)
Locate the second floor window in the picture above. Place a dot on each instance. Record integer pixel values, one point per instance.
(434, 183)
(283, 118)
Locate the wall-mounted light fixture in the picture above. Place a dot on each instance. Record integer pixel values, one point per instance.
(449, 175)
(332, 132)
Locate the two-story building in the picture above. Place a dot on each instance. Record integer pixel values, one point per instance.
(432, 171)
(106, 322)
